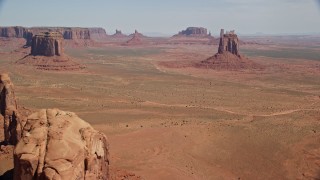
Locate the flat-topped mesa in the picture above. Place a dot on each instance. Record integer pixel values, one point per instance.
(229, 42)
(194, 31)
(76, 33)
(47, 44)
(97, 33)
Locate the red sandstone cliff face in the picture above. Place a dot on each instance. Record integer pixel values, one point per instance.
(76, 33)
(229, 42)
(69, 33)
(59, 145)
(51, 144)
(13, 32)
(11, 121)
(47, 44)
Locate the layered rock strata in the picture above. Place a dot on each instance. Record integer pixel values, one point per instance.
(47, 44)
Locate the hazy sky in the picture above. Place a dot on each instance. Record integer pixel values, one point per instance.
(167, 16)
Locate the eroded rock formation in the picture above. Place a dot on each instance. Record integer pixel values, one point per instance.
(228, 56)
(137, 39)
(47, 54)
(10, 119)
(47, 44)
(75, 33)
(229, 42)
(194, 31)
(13, 32)
(97, 33)
(59, 145)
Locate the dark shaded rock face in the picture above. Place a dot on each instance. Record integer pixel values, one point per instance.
(59, 145)
(47, 44)
(194, 31)
(10, 119)
(229, 42)
(13, 32)
(16, 32)
(118, 31)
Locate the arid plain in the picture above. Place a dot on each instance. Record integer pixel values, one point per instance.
(187, 122)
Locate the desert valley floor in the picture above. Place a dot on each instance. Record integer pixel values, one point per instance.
(186, 122)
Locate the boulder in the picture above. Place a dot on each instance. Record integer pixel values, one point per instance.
(9, 116)
(47, 44)
(59, 145)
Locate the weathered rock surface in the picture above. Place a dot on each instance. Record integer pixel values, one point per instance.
(229, 42)
(47, 44)
(193, 31)
(11, 121)
(59, 145)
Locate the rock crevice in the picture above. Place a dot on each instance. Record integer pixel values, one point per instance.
(59, 145)
(10, 119)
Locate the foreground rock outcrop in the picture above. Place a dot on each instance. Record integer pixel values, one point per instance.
(10, 120)
(59, 145)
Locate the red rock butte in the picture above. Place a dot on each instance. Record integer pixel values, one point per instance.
(47, 44)
(229, 42)
(228, 56)
(47, 54)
